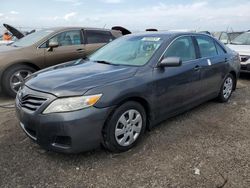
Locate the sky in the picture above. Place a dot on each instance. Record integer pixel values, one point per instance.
(135, 15)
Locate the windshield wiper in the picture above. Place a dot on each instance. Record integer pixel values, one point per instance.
(105, 62)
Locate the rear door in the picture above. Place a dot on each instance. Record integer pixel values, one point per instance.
(178, 87)
(213, 64)
(96, 39)
(71, 47)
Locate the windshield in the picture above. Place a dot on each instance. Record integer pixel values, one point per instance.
(135, 51)
(32, 38)
(243, 39)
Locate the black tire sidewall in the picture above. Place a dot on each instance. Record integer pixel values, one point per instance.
(109, 134)
(221, 96)
(7, 75)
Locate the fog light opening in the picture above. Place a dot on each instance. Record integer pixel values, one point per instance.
(62, 142)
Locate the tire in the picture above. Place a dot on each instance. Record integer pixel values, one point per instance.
(226, 88)
(117, 133)
(9, 76)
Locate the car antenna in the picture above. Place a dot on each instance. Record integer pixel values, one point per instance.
(104, 26)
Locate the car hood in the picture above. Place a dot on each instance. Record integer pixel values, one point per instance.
(241, 49)
(15, 32)
(7, 48)
(77, 77)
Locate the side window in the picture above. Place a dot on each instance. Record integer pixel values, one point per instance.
(220, 50)
(182, 47)
(94, 36)
(68, 38)
(206, 46)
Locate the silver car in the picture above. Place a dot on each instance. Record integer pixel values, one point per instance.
(241, 44)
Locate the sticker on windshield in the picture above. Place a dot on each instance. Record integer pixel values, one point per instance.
(151, 39)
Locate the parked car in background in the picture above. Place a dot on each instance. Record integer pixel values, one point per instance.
(205, 32)
(241, 44)
(5, 42)
(46, 48)
(16, 34)
(226, 37)
(131, 84)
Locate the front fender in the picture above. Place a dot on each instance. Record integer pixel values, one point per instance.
(116, 92)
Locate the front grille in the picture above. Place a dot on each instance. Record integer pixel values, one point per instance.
(31, 102)
(243, 67)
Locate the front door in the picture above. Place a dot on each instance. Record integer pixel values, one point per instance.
(176, 87)
(70, 47)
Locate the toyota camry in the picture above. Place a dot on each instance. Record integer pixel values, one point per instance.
(123, 89)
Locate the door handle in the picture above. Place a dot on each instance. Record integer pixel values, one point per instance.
(80, 50)
(197, 68)
(226, 59)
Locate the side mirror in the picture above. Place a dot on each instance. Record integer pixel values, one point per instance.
(52, 45)
(171, 62)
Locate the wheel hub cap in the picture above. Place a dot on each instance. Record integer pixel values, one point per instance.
(128, 127)
(227, 88)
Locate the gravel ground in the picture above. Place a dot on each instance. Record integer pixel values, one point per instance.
(208, 146)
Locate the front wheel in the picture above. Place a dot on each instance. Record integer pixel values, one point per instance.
(227, 88)
(125, 127)
(14, 77)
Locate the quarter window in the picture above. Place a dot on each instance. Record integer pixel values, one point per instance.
(220, 50)
(68, 38)
(182, 47)
(94, 36)
(206, 46)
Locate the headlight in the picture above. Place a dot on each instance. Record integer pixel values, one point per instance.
(71, 103)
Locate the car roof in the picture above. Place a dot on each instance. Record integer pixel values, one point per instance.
(167, 34)
(68, 28)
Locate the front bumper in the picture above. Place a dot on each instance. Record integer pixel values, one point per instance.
(245, 67)
(70, 132)
(245, 63)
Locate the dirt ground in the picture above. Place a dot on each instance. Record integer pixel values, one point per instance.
(208, 146)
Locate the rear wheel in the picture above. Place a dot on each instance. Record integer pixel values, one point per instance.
(14, 77)
(227, 88)
(125, 127)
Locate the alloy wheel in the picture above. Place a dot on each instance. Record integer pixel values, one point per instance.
(17, 79)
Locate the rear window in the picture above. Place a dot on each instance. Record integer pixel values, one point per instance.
(206, 46)
(94, 36)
